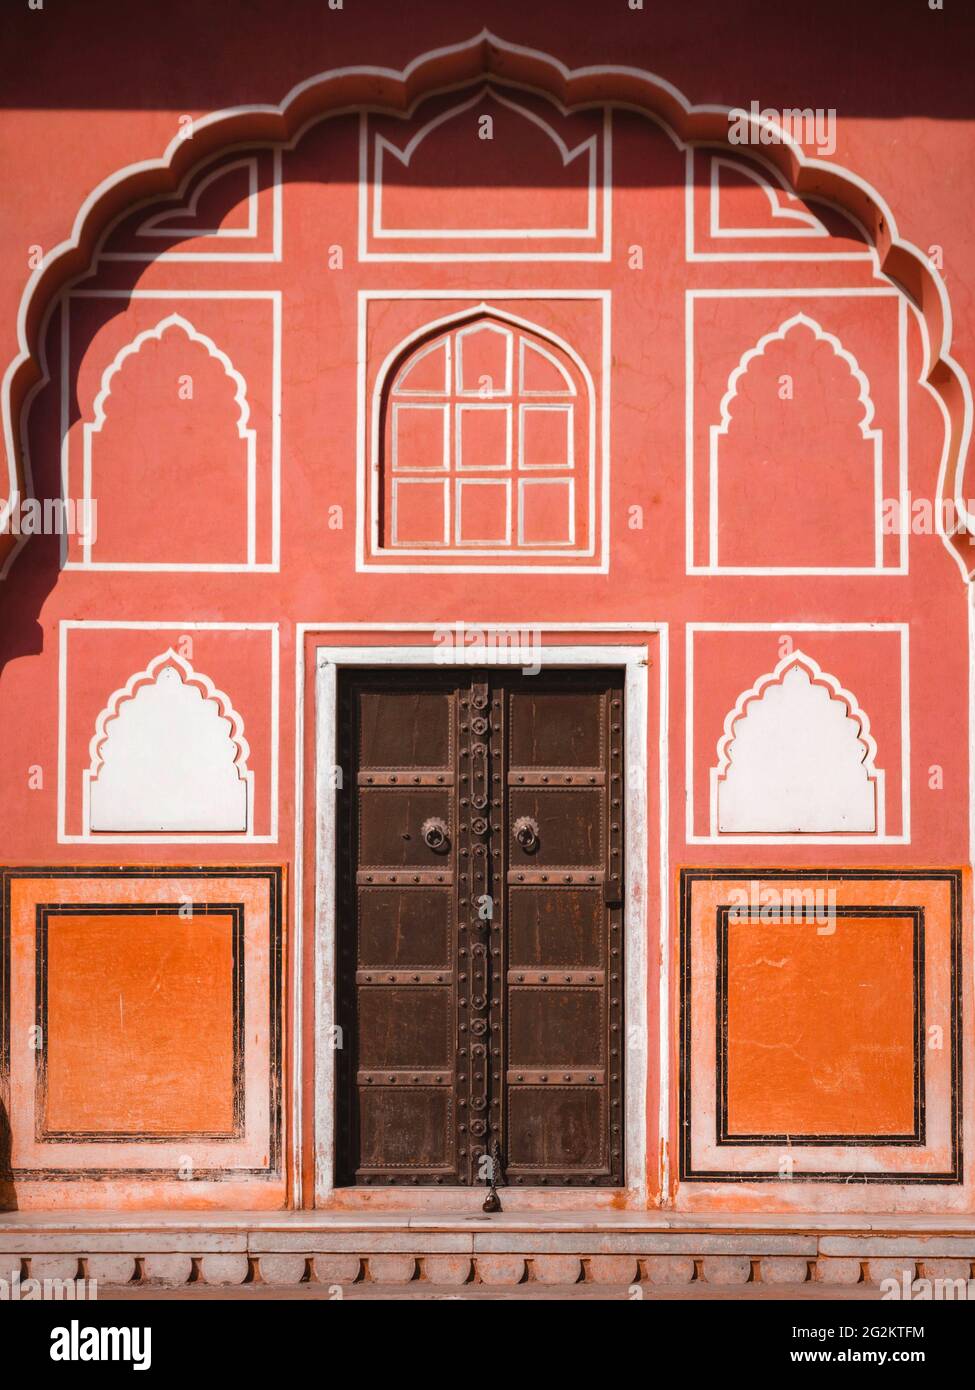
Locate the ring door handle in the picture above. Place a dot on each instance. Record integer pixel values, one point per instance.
(525, 830)
(435, 835)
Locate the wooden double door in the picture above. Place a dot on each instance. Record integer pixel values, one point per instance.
(480, 928)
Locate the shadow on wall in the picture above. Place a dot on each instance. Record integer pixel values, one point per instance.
(34, 572)
(159, 57)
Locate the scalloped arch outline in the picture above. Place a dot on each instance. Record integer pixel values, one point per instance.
(874, 437)
(149, 676)
(817, 676)
(395, 90)
(135, 346)
(779, 335)
(244, 432)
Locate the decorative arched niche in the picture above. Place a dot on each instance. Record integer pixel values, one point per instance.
(797, 757)
(168, 757)
(798, 412)
(168, 456)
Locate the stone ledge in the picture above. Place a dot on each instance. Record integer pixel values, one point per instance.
(719, 1261)
(384, 1267)
(441, 1248)
(206, 1223)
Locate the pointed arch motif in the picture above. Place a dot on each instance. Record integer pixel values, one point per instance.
(779, 335)
(494, 452)
(873, 483)
(175, 322)
(168, 756)
(797, 757)
(388, 158)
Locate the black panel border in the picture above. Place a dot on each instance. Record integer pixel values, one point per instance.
(953, 877)
(273, 876)
(782, 915)
(43, 913)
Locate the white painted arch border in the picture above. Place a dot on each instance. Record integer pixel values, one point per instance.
(709, 507)
(483, 42)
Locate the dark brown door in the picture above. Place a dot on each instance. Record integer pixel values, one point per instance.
(480, 928)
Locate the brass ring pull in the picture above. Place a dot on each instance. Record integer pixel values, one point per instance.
(435, 835)
(526, 833)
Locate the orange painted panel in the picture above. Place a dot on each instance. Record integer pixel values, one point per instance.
(821, 1027)
(140, 1031)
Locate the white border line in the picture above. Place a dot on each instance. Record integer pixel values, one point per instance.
(691, 254)
(67, 625)
(273, 297)
(691, 297)
(210, 257)
(811, 226)
(786, 629)
(367, 416)
(369, 201)
(638, 928)
(480, 46)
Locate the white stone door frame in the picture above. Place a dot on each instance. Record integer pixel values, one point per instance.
(635, 661)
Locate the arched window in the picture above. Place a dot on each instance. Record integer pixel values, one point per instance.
(486, 440)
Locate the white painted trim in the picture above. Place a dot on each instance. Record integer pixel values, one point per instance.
(460, 484)
(211, 257)
(872, 436)
(189, 675)
(251, 565)
(787, 628)
(480, 326)
(691, 254)
(599, 199)
(811, 226)
(971, 726)
(755, 692)
(244, 432)
(691, 297)
(567, 411)
(405, 156)
(398, 389)
(151, 226)
(433, 468)
(637, 1018)
(498, 407)
(421, 481)
(568, 483)
(13, 430)
(68, 625)
(523, 390)
(368, 435)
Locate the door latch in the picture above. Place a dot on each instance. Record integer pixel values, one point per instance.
(435, 834)
(612, 891)
(525, 830)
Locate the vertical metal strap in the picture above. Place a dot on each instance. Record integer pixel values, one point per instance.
(474, 921)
